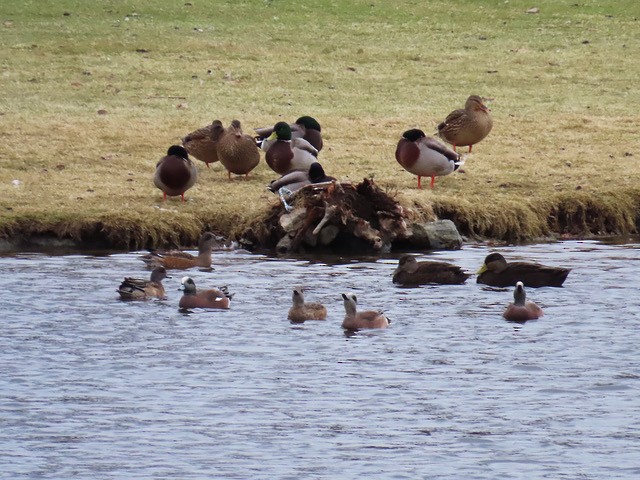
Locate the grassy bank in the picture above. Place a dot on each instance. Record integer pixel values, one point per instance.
(563, 157)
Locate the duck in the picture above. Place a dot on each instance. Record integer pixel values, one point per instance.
(212, 298)
(355, 320)
(301, 310)
(497, 272)
(468, 125)
(521, 309)
(138, 289)
(425, 157)
(179, 260)
(285, 154)
(304, 127)
(203, 142)
(410, 272)
(237, 152)
(294, 181)
(175, 173)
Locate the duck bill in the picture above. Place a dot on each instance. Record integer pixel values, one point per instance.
(482, 269)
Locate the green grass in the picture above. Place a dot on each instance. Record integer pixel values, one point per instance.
(563, 157)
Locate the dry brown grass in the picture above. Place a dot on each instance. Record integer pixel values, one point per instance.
(563, 157)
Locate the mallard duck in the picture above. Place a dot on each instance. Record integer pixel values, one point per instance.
(496, 272)
(294, 181)
(304, 127)
(355, 320)
(468, 125)
(284, 154)
(175, 173)
(179, 260)
(425, 156)
(301, 311)
(138, 289)
(212, 298)
(202, 143)
(521, 309)
(412, 272)
(237, 152)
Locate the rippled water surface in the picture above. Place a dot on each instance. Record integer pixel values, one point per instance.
(93, 387)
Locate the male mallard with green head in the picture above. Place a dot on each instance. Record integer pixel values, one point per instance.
(284, 153)
(468, 125)
(425, 156)
(304, 127)
(237, 152)
(175, 172)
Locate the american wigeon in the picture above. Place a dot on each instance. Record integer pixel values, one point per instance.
(202, 143)
(285, 154)
(497, 272)
(301, 311)
(211, 298)
(304, 127)
(411, 272)
(468, 125)
(179, 260)
(175, 172)
(425, 156)
(355, 320)
(521, 309)
(138, 289)
(237, 152)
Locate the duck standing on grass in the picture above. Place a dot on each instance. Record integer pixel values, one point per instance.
(410, 272)
(521, 309)
(212, 298)
(285, 154)
(175, 172)
(138, 289)
(304, 127)
(468, 125)
(301, 310)
(425, 156)
(237, 152)
(179, 260)
(355, 320)
(497, 272)
(203, 143)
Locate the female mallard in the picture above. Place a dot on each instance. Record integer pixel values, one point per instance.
(355, 320)
(177, 259)
(202, 143)
(304, 127)
(285, 154)
(496, 272)
(138, 289)
(411, 272)
(424, 156)
(175, 172)
(521, 309)
(237, 152)
(301, 311)
(212, 298)
(468, 125)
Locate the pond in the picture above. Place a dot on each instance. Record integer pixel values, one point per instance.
(94, 387)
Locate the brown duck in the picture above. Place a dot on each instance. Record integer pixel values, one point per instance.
(138, 289)
(175, 172)
(179, 260)
(410, 272)
(211, 298)
(521, 309)
(468, 125)
(497, 272)
(304, 127)
(202, 143)
(355, 320)
(301, 310)
(237, 152)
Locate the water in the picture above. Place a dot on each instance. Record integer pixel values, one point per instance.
(93, 387)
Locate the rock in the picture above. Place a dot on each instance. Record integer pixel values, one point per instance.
(284, 245)
(290, 222)
(437, 235)
(328, 234)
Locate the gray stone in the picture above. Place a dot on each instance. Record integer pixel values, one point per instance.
(291, 222)
(328, 234)
(437, 235)
(284, 245)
